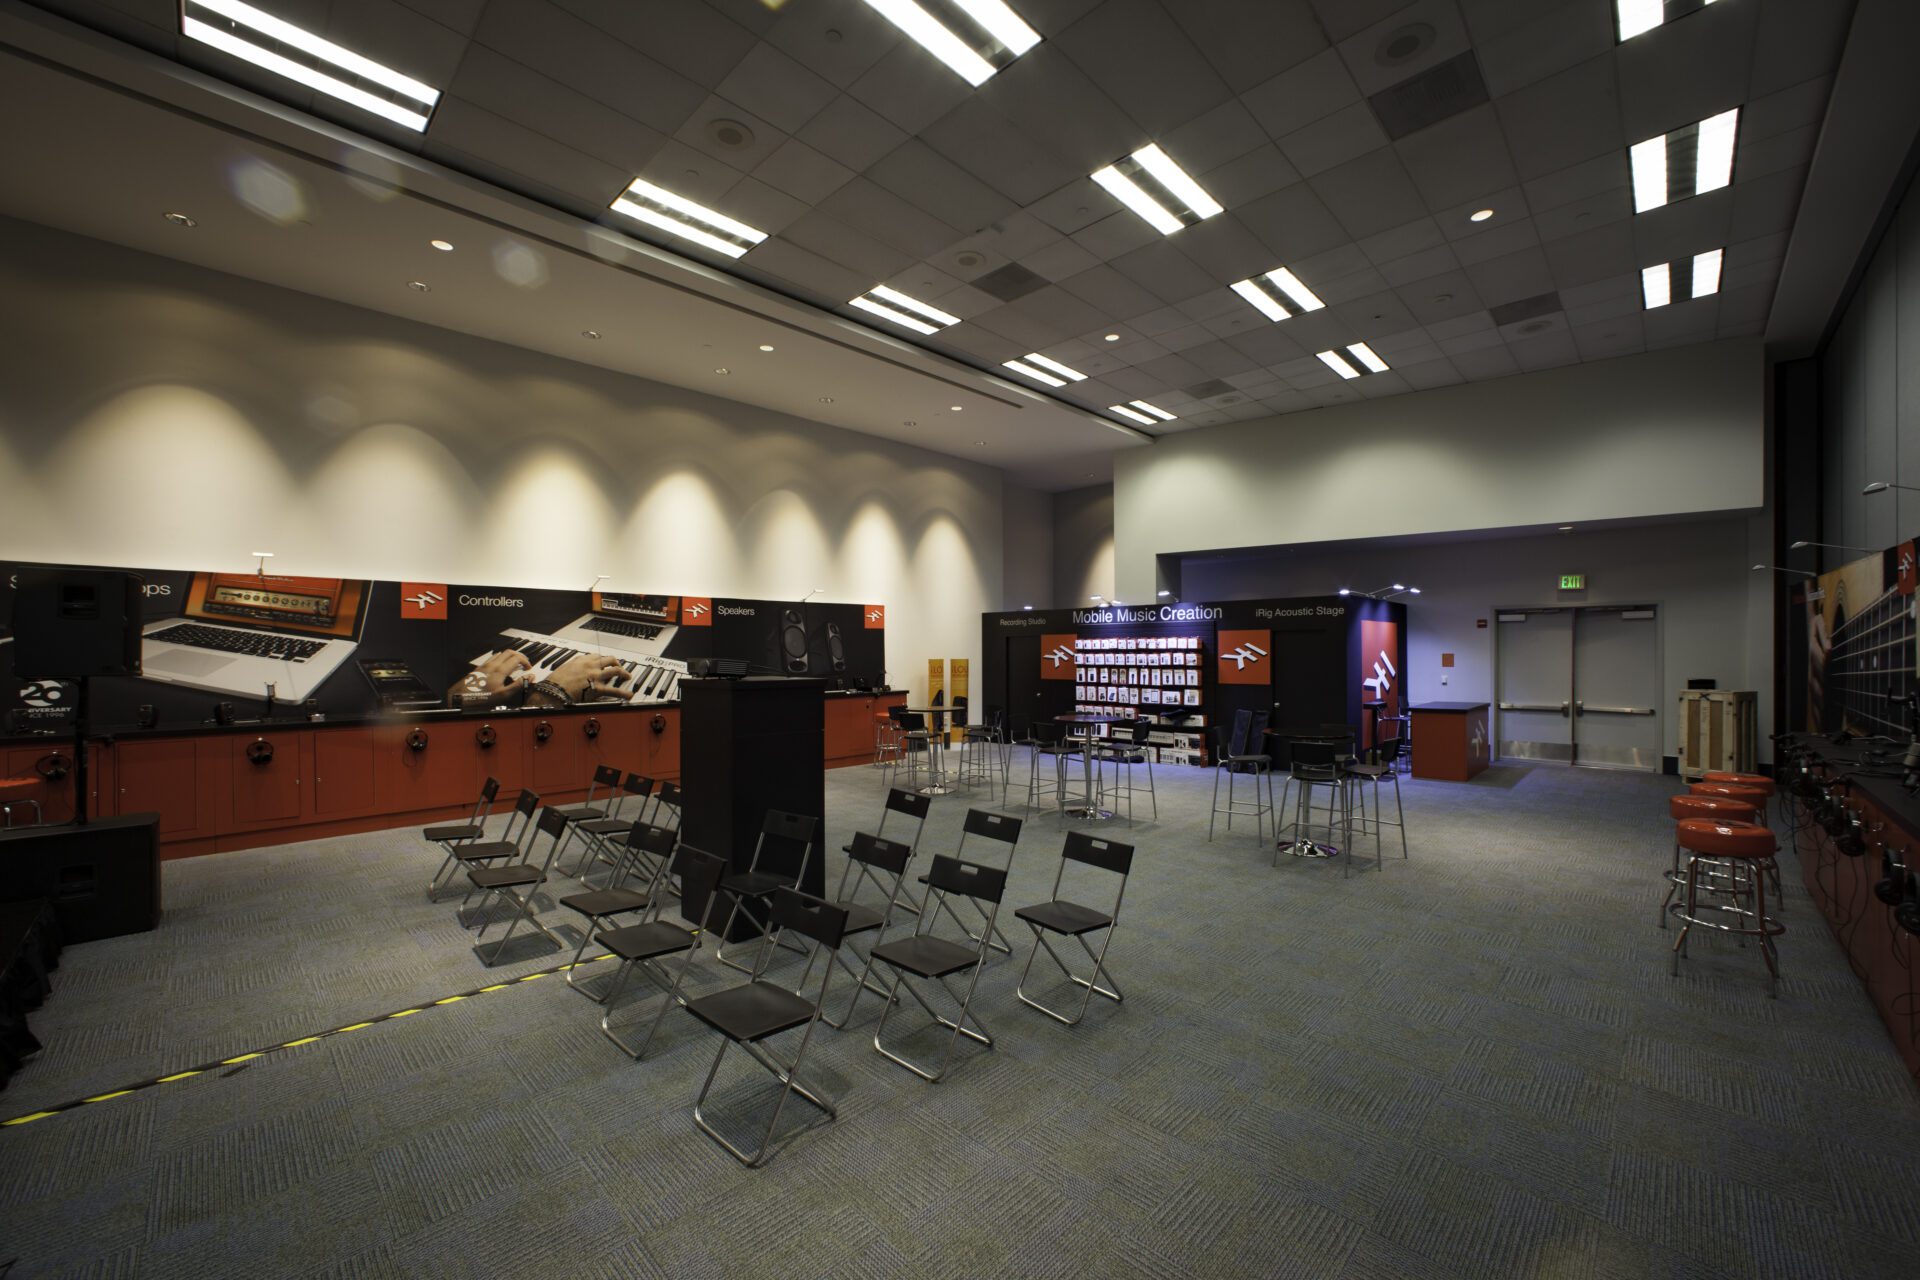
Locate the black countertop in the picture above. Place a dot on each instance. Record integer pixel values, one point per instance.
(1874, 772)
(1450, 706)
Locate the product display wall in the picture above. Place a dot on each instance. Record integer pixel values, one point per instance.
(356, 647)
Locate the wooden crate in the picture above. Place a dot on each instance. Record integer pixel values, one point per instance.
(1719, 731)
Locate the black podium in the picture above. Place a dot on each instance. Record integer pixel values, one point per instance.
(747, 746)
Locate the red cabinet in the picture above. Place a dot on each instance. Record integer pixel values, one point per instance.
(265, 780)
(343, 772)
(55, 793)
(554, 764)
(432, 771)
(181, 779)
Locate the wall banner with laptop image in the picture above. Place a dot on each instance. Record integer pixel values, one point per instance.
(244, 645)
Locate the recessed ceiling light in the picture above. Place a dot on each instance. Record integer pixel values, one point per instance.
(276, 45)
(826, 399)
(1365, 353)
(1054, 366)
(908, 313)
(592, 335)
(1113, 337)
(443, 246)
(1334, 361)
(1130, 414)
(1140, 411)
(1689, 161)
(179, 219)
(980, 442)
(1702, 278)
(419, 286)
(991, 38)
(1026, 606)
(955, 408)
(909, 423)
(1359, 351)
(1271, 293)
(1637, 16)
(1028, 371)
(1153, 186)
(1479, 215)
(723, 370)
(676, 215)
(765, 347)
(1566, 528)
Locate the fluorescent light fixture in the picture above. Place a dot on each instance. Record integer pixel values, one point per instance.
(1271, 293)
(1701, 279)
(1153, 186)
(1132, 414)
(1028, 371)
(994, 36)
(1333, 361)
(1155, 410)
(1688, 161)
(1656, 284)
(1714, 167)
(276, 45)
(1373, 362)
(1054, 366)
(1706, 272)
(908, 313)
(679, 216)
(1638, 17)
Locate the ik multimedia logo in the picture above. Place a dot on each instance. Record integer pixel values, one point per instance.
(1380, 683)
(423, 600)
(1059, 654)
(1242, 654)
(876, 617)
(696, 611)
(1477, 740)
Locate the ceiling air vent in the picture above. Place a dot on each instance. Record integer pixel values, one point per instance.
(1010, 282)
(1440, 91)
(1507, 313)
(1208, 390)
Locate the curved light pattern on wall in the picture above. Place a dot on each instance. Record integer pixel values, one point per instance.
(549, 522)
(783, 547)
(182, 477)
(409, 486)
(678, 539)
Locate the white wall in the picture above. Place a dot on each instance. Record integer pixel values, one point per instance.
(1083, 560)
(156, 414)
(1027, 547)
(1697, 573)
(1667, 433)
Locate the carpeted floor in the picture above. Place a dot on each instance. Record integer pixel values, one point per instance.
(1473, 1065)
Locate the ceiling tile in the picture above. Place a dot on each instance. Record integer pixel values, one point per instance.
(472, 137)
(776, 88)
(730, 134)
(1680, 323)
(1427, 374)
(688, 35)
(1398, 242)
(1585, 215)
(1058, 107)
(1445, 298)
(569, 51)
(1185, 338)
(1145, 63)
(513, 91)
(1253, 175)
(1208, 141)
(759, 205)
(1334, 140)
(1615, 336)
(1249, 43)
(1758, 157)
(1592, 255)
(934, 184)
(1498, 240)
(1376, 313)
(1765, 205)
(1579, 182)
(991, 148)
(1610, 308)
(1418, 266)
(1114, 235)
(1293, 223)
(1553, 36)
(1486, 363)
(1513, 276)
(1685, 228)
(1060, 260)
(1791, 108)
(886, 217)
(1302, 94)
(1431, 29)
(837, 40)
(1224, 248)
(1346, 288)
(1458, 159)
(1621, 286)
(684, 171)
(1548, 351)
(910, 87)
(840, 244)
(851, 133)
(1219, 359)
(1793, 43)
(1267, 345)
(1342, 18)
(1695, 68)
(782, 258)
(1563, 120)
(1163, 270)
(1173, 371)
(1370, 194)
(801, 172)
(1116, 296)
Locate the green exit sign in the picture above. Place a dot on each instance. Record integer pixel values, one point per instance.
(1573, 582)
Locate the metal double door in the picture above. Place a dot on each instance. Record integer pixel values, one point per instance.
(1579, 685)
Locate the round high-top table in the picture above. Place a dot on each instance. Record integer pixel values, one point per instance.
(938, 786)
(1299, 845)
(1089, 810)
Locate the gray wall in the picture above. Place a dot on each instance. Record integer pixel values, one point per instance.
(1696, 572)
(1027, 547)
(1667, 433)
(1083, 547)
(157, 414)
(1870, 399)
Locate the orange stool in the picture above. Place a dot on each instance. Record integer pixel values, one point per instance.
(1729, 861)
(1758, 781)
(1718, 808)
(18, 792)
(886, 739)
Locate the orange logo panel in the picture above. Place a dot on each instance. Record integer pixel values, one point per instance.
(1056, 657)
(1246, 657)
(423, 600)
(696, 611)
(876, 615)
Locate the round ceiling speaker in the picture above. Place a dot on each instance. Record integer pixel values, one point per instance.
(968, 258)
(1403, 44)
(730, 134)
(1535, 326)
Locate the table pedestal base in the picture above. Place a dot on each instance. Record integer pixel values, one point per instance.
(1309, 849)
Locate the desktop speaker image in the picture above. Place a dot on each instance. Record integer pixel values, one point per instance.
(70, 623)
(793, 640)
(836, 648)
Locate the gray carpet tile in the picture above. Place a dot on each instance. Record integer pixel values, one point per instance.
(1471, 1063)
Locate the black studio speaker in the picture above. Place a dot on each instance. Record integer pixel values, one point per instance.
(836, 649)
(72, 623)
(793, 640)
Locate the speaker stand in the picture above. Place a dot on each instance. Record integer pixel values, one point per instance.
(80, 725)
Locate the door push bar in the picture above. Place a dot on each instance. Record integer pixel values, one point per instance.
(1582, 708)
(1561, 707)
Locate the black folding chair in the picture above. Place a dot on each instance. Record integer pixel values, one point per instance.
(883, 865)
(602, 905)
(604, 777)
(911, 805)
(666, 806)
(460, 833)
(642, 946)
(518, 882)
(510, 847)
(1071, 919)
(756, 1010)
(767, 873)
(923, 954)
(1002, 828)
(602, 833)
